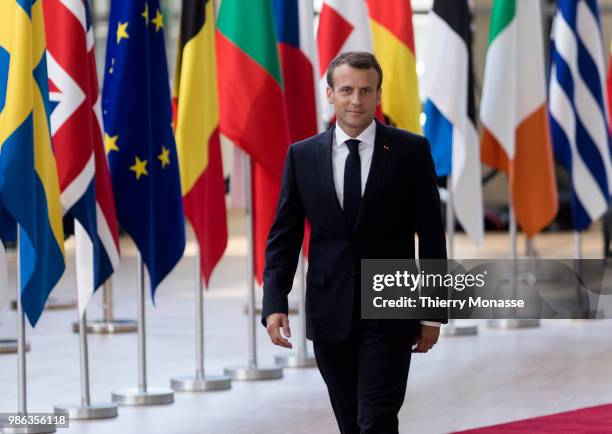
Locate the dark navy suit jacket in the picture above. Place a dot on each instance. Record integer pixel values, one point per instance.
(400, 200)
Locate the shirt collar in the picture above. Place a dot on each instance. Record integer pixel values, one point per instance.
(367, 136)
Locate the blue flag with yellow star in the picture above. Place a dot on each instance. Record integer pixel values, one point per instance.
(139, 140)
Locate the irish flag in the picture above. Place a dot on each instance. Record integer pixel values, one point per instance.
(513, 112)
(251, 103)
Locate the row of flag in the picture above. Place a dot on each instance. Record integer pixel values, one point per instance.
(146, 156)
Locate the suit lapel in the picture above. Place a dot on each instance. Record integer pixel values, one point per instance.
(326, 175)
(380, 158)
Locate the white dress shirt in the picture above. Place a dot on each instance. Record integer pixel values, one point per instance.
(366, 149)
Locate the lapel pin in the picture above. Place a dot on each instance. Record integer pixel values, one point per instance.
(386, 147)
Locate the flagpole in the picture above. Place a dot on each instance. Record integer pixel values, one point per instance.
(142, 395)
(200, 382)
(86, 410)
(252, 371)
(577, 245)
(302, 359)
(107, 325)
(452, 328)
(21, 363)
(22, 408)
(512, 323)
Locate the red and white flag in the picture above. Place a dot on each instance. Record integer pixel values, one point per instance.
(343, 26)
(76, 129)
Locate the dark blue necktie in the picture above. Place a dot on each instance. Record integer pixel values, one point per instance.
(352, 182)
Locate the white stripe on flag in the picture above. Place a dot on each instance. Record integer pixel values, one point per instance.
(308, 46)
(467, 188)
(587, 108)
(449, 95)
(447, 51)
(106, 237)
(69, 96)
(588, 31)
(75, 191)
(77, 7)
(84, 257)
(585, 186)
(360, 39)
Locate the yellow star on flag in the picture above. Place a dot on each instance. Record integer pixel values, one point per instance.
(140, 168)
(145, 14)
(122, 31)
(164, 157)
(158, 21)
(110, 143)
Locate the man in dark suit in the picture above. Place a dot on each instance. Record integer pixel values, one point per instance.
(366, 189)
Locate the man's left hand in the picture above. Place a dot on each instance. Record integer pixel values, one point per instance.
(427, 338)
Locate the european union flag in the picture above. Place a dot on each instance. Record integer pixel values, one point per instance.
(138, 135)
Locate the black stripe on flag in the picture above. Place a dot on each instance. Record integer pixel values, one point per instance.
(193, 18)
(457, 14)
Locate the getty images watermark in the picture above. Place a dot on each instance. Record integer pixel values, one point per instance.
(486, 289)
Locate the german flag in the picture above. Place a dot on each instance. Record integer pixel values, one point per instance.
(197, 132)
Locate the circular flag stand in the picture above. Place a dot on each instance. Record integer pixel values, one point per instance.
(452, 328)
(9, 346)
(200, 382)
(21, 366)
(512, 323)
(86, 410)
(53, 303)
(252, 371)
(142, 395)
(108, 325)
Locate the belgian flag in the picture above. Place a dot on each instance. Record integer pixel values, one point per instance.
(197, 132)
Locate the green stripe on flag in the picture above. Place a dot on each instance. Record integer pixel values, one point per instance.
(503, 12)
(250, 25)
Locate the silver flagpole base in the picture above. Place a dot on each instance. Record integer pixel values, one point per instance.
(91, 411)
(134, 396)
(513, 323)
(208, 383)
(53, 303)
(245, 373)
(103, 327)
(30, 429)
(9, 346)
(296, 361)
(459, 330)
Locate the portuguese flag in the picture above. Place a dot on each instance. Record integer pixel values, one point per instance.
(251, 103)
(197, 132)
(513, 112)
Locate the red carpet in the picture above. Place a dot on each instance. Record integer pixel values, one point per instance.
(591, 420)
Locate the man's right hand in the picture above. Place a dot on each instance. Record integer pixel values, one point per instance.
(274, 322)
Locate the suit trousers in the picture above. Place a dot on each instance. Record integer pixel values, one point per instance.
(366, 376)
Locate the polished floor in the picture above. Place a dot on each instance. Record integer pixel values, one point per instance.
(494, 377)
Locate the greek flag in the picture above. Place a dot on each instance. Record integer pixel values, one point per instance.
(578, 110)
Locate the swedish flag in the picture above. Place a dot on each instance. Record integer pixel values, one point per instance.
(29, 187)
(139, 139)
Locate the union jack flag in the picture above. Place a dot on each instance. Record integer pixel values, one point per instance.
(76, 128)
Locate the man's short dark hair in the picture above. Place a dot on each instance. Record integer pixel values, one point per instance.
(354, 59)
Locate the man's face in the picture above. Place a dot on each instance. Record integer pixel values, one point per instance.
(354, 96)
